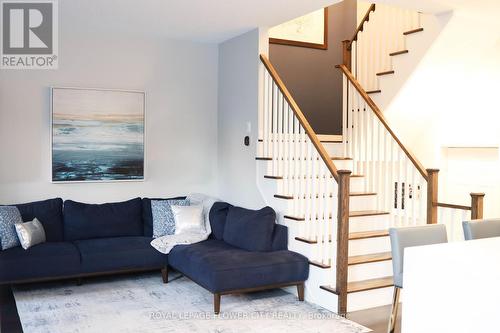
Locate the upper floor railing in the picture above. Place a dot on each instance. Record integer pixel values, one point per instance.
(379, 37)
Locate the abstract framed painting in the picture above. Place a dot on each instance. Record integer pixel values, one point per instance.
(310, 30)
(97, 135)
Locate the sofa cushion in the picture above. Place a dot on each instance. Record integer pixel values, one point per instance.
(248, 229)
(218, 266)
(47, 260)
(120, 253)
(147, 214)
(218, 216)
(86, 221)
(49, 213)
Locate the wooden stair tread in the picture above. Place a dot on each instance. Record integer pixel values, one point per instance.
(364, 285)
(357, 176)
(385, 73)
(264, 158)
(293, 177)
(367, 213)
(361, 194)
(374, 91)
(305, 240)
(358, 213)
(329, 289)
(398, 53)
(295, 218)
(319, 264)
(352, 194)
(368, 258)
(409, 32)
(339, 158)
(273, 177)
(355, 236)
(282, 196)
(368, 234)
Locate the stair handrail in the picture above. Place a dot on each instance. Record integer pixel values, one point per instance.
(300, 116)
(383, 120)
(360, 27)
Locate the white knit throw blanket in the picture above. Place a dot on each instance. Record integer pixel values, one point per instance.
(165, 243)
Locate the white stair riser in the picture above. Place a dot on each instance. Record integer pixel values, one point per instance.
(369, 245)
(357, 184)
(343, 164)
(334, 149)
(369, 299)
(370, 271)
(295, 207)
(363, 202)
(369, 223)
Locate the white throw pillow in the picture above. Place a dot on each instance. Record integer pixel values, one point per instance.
(30, 233)
(188, 219)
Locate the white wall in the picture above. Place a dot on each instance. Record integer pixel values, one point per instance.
(451, 100)
(238, 107)
(180, 79)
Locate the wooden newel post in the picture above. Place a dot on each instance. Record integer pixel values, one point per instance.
(342, 239)
(346, 53)
(477, 205)
(432, 195)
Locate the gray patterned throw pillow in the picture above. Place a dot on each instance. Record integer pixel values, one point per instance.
(163, 218)
(9, 217)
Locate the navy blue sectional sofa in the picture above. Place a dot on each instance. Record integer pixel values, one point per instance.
(247, 250)
(84, 240)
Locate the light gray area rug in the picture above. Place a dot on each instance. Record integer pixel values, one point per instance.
(142, 303)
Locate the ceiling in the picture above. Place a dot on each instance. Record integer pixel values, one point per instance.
(210, 21)
(214, 21)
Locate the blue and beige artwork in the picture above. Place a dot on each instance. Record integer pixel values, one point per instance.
(97, 135)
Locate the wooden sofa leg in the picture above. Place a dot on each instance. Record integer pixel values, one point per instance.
(300, 291)
(216, 303)
(164, 274)
(79, 281)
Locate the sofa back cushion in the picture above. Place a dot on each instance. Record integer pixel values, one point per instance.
(87, 221)
(49, 213)
(218, 216)
(147, 214)
(250, 230)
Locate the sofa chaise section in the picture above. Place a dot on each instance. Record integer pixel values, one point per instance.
(223, 269)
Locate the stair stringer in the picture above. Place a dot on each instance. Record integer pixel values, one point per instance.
(404, 65)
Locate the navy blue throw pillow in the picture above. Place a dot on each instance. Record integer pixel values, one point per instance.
(87, 221)
(217, 216)
(250, 230)
(49, 213)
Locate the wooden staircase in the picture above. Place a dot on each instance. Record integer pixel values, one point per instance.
(339, 199)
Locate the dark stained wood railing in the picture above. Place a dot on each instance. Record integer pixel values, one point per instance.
(382, 119)
(365, 19)
(343, 241)
(347, 44)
